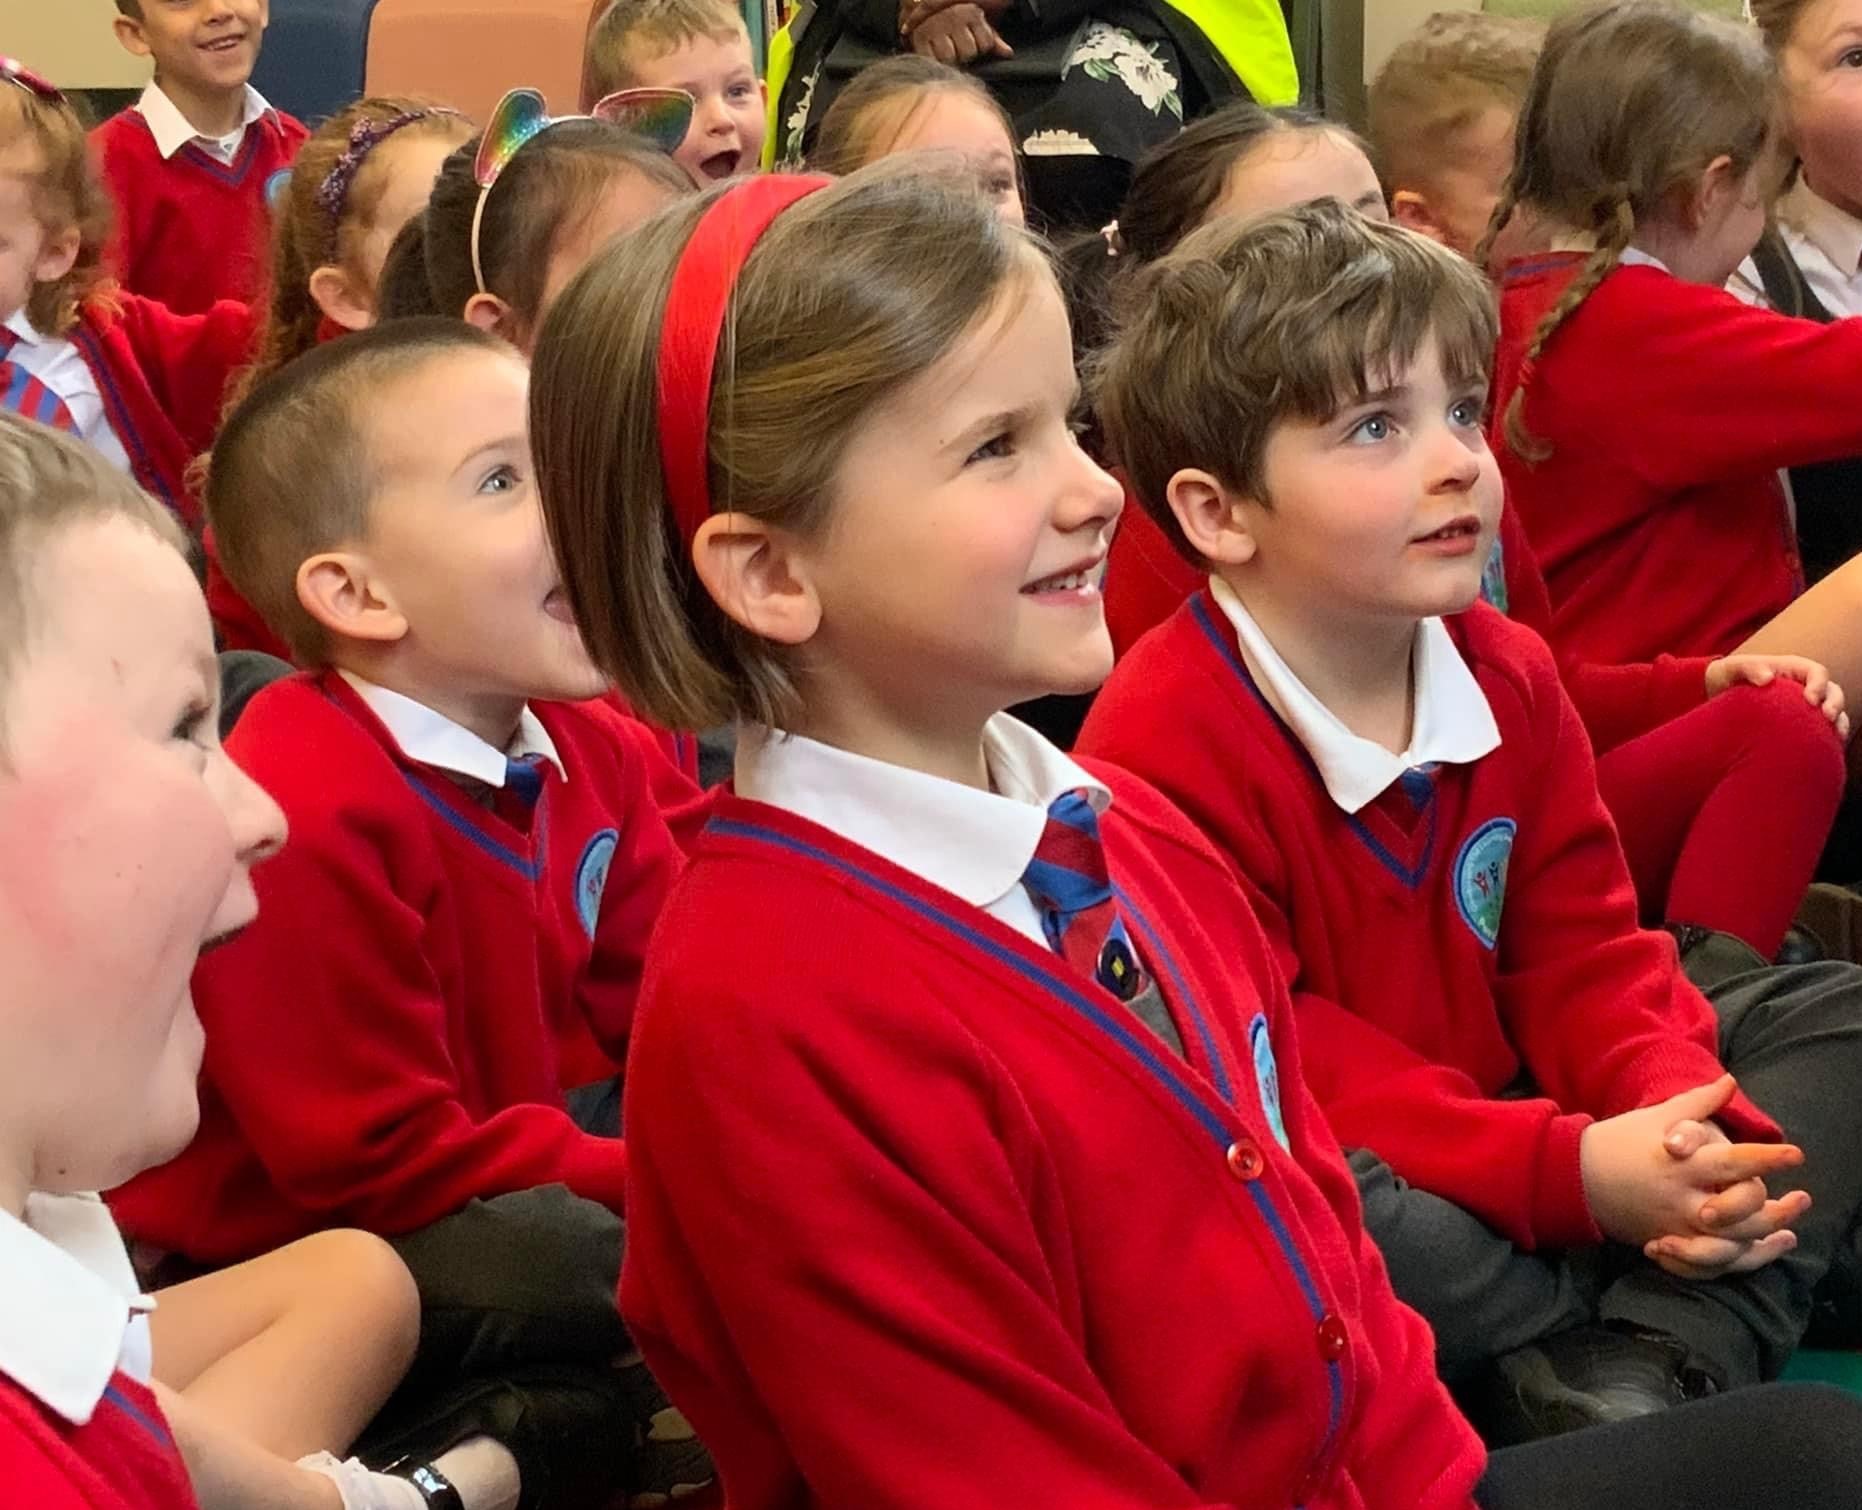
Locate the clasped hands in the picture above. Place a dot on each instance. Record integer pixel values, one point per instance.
(1666, 1179)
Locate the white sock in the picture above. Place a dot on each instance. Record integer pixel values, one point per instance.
(362, 1490)
(484, 1473)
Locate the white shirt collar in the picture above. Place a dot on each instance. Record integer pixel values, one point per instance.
(172, 130)
(70, 1310)
(20, 326)
(434, 739)
(1453, 724)
(971, 843)
(1835, 233)
(1634, 256)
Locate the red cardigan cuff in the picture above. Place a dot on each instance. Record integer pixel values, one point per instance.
(1560, 1212)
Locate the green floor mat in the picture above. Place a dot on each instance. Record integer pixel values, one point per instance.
(1842, 1369)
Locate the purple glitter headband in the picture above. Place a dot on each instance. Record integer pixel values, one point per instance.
(364, 137)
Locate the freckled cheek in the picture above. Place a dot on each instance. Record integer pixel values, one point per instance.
(123, 880)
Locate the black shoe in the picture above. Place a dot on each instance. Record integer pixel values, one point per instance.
(1587, 1376)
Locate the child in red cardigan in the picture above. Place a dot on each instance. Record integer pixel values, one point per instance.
(189, 163)
(1641, 413)
(1685, 771)
(971, 1156)
(1411, 805)
(139, 383)
(454, 938)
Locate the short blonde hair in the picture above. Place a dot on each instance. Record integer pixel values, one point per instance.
(629, 29)
(50, 482)
(1249, 324)
(1439, 81)
(66, 195)
(852, 294)
(294, 473)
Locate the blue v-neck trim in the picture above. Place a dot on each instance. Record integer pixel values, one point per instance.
(1213, 1123)
(1411, 877)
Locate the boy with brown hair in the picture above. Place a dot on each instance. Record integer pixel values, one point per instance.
(1398, 777)
(189, 163)
(1442, 110)
(700, 46)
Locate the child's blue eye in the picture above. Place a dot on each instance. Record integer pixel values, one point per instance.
(993, 449)
(1371, 429)
(1467, 412)
(499, 480)
(741, 91)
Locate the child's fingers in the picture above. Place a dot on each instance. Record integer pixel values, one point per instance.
(1723, 1164)
(1704, 1258)
(1768, 1217)
(1727, 1208)
(1685, 1139)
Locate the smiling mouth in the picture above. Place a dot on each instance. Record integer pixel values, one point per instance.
(1457, 529)
(1079, 579)
(222, 44)
(720, 164)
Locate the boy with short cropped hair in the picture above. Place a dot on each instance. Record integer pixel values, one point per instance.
(1403, 787)
(189, 163)
(1442, 110)
(461, 918)
(700, 46)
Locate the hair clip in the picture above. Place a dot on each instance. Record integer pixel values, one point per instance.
(16, 72)
(364, 137)
(662, 116)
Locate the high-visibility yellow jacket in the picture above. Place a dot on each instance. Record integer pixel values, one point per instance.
(1249, 36)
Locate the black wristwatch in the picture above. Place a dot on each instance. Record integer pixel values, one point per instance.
(435, 1488)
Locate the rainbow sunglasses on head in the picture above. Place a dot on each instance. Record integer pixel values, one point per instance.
(660, 116)
(16, 72)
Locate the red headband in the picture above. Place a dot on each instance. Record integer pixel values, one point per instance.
(700, 296)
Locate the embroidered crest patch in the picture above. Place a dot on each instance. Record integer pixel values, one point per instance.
(591, 877)
(1493, 577)
(1480, 878)
(277, 187)
(1267, 1078)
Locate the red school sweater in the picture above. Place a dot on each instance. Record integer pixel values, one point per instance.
(920, 1217)
(123, 1458)
(1669, 406)
(163, 378)
(1471, 924)
(385, 1042)
(191, 230)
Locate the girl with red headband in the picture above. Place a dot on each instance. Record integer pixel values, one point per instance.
(970, 1160)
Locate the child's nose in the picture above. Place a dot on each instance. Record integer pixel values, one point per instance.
(1456, 458)
(1090, 495)
(257, 822)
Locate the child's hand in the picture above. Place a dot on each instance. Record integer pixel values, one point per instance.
(1738, 1229)
(1641, 1192)
(1761, 670)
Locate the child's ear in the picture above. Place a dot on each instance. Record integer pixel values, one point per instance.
(129, 32)
(1211, 517)
(490, 313)
(336, 294)
(1410, 208)
(757, 577)
(58, 256)
(1716, 191)
(340, 591)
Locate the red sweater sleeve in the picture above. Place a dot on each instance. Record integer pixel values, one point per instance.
(189, 360)
(1602, 1015)
(1431, 1123)
(892, 1232)
(1716, 386)
(1616, 703)
(327, 1038)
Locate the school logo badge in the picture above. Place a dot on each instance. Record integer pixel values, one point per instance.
(1493, 577)
(276, 188)
(591, 877)
(1267, 1078)
(1480, 877)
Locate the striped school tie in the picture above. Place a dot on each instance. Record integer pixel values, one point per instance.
(1068, 883)
(25, 395)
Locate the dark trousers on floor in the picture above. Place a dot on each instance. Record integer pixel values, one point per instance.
(1793, 1036)
(1778, 1447)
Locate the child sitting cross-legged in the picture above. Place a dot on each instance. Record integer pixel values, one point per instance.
(476, 861)
(1398, 777)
